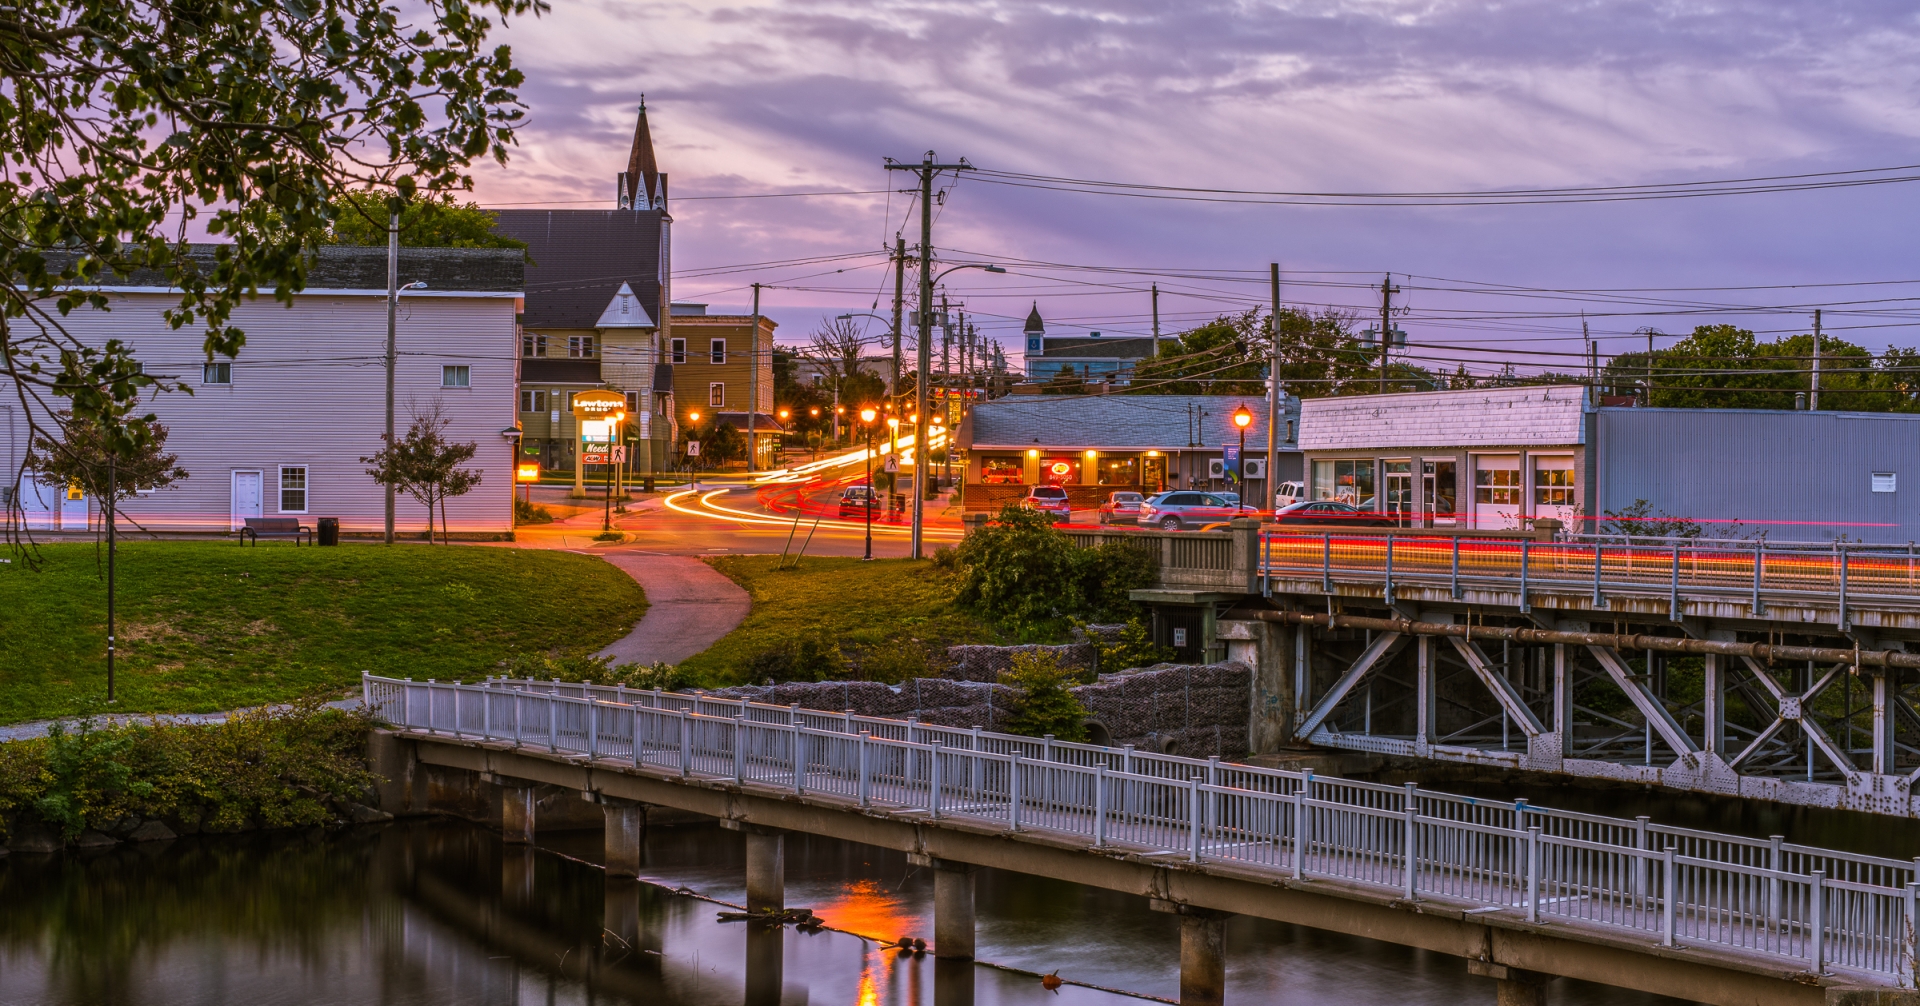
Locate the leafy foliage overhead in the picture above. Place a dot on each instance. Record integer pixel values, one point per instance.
(126, 122)
(361, 218)
(1723, 367)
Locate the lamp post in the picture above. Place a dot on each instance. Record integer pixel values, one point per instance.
(693, 423)
(927, 282)
(1243, 418)
(613, 439)
(866, 416)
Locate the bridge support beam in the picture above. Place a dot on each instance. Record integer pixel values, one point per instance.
(626, 828)
(952, 906)
(516, 811)
(516, 876)
(1513, 986)
(1203, 953)
(766, 866)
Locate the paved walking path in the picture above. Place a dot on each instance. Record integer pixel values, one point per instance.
(689, 607)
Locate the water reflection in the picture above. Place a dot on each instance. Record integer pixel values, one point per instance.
(440, 912)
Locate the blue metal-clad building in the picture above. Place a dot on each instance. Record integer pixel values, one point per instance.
(1800, 476)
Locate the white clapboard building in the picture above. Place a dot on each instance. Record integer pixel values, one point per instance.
(280, 431)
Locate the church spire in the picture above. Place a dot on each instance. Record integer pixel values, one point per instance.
(642, 187)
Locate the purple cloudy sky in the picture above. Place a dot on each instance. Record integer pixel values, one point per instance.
(1387, 95)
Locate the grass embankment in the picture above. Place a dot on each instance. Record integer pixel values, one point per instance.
(888, 616)
(205, 626)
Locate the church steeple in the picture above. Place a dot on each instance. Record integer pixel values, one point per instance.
(642, 186)
(1034, 325)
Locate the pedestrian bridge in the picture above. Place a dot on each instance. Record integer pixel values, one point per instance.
(1521, 893)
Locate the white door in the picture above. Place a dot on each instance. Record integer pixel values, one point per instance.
(1496, 491)
(41, 503)
(246, 498)
(1553, 488)
(73, 509)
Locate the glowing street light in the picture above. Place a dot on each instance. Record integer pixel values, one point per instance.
(867, 416)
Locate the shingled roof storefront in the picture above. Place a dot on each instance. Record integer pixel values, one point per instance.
(1097, 444)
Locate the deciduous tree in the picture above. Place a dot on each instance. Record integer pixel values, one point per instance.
(425, 465)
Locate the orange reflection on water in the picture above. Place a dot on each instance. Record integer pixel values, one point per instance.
(868, 908)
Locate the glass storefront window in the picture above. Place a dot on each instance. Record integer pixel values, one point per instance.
(1439, 488)
(1399, 486)
(1348, 481)
(1119, 471)
(1002, 471)
(1499, 486)
(1553, 482)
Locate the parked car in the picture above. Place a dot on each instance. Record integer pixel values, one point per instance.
(1181, 509)
(1288, 493)
(1328, 512)
(857, 501)
(1121, 508)
(1050, 500)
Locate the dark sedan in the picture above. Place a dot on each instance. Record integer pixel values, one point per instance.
(1328, 512)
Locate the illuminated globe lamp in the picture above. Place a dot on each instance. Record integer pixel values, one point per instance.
(867, 415)
(1243, 418)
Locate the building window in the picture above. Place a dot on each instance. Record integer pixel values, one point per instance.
(1883, 482)
(568, 405)
(1553, 483)
(1347, 481)
(216, 373)
(633, 403)
(533, 345)
(1498, 486)
(533, 401)
(456, 376)
(293, 490)
(717, 395)
(717, 351)
(679, 348)
(1008, 471)
(580, 346)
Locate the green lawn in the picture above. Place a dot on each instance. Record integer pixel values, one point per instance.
(865, 607)
(205, 626)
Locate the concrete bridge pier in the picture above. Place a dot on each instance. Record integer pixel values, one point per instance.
(1513, 986)
(766, 866)
(952, 982)
(626, 829)
(620, 917)
(952, 906)
(766, 951)
(514, 803)
(1203, 953)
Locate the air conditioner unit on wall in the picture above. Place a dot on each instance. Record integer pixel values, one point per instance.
(1255, 468)
(1216, 469)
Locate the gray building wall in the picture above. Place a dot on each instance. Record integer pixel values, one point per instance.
(1796, 476)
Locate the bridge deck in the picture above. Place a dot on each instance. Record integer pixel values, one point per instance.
(1594, 878)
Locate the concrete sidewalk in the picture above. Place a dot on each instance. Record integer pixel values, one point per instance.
(689, 607)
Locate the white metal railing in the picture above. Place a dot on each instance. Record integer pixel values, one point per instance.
(1676, 885)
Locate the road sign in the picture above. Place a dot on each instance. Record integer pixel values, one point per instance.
(890, 463)
(693, 448)
(599, 404)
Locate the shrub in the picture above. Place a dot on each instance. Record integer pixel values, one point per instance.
(1134, 648)
(1042, 704)
(598, 670)
(1027, 575)
(530, 513)
(285, 767)
(809, 658)
(897, 660)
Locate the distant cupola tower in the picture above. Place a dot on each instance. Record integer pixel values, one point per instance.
(1036, 332)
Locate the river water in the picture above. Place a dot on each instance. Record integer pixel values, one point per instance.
(440, 912)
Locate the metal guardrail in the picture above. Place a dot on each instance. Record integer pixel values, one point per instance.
(1675, 885)
(1754, 572)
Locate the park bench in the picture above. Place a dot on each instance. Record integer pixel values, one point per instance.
(274, 527)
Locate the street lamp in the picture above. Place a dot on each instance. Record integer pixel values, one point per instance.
(613, 438)
(866, 416)
(925, 362)
(1243, 418)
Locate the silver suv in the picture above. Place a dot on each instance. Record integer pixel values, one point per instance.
(1186, 508)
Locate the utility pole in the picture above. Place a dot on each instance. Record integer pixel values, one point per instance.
(899, 285)
(1649, 367)
(1386, 326)
(1156, 319)
(393, 319)
(113, 501)
(1273, 389)
(753, 377)
(926, 169)
(1813, 400)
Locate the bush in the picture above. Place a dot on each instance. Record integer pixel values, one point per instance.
(1042, 704)
(1134, 648)
(1027, 575)
(530, 513)
(599, 671)
(293, 766)
(898, 660)
(809, 658)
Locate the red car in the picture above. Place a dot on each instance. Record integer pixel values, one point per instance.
(1049, 500)
(857, 501)
(1121, 508)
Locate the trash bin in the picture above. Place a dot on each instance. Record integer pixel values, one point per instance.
(329, 530)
